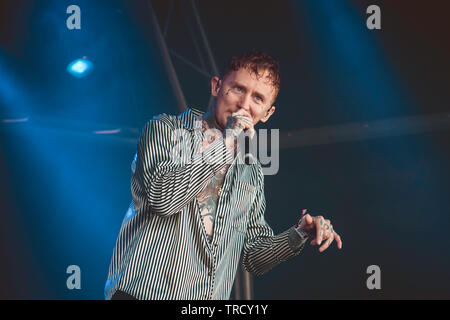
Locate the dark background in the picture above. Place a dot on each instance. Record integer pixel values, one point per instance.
(65, 190)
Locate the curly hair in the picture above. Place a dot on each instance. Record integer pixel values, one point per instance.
(256, 62)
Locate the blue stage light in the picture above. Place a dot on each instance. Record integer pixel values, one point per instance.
(80, 67)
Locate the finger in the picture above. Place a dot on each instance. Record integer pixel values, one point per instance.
(252, 133)
(244, 123)
(307, 223)
(319, 230)
(338, 240)
(326, 244)
(243, 117)
(247, 121)
(248, 125)
(308, 219)
(331, 231)
(243, 112)
(328, 230)
(313, 242)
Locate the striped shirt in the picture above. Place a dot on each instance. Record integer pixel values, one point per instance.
(162, 251)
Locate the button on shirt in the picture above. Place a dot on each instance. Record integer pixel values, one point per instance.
(162, 251)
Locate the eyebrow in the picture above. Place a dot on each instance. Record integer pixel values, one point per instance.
(235, 83)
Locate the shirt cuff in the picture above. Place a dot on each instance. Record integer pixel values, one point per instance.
(297, 239)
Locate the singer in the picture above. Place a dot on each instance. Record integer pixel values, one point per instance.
(188, 223)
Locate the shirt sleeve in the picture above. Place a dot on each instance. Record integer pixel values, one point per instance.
(164, 185)
(262, 249)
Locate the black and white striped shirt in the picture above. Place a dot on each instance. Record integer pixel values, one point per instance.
(162, 251)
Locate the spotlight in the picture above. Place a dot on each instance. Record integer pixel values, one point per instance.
(80, 67)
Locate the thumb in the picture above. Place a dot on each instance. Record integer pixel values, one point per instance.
(308, 219)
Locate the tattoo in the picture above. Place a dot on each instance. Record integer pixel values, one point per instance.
(231, 122)
(208, 199)
(234, 125)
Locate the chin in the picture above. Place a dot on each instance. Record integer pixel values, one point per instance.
(221, 121)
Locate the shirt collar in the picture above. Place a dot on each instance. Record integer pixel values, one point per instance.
(189, 118)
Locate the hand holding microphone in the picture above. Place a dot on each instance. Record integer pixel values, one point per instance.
(240, 121)
(237, 122)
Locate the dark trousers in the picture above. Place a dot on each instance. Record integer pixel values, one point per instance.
(120, 295)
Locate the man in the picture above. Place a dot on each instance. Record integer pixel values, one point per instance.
(193, 215)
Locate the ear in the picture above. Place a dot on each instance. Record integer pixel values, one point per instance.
(215, 86)
(268, 114)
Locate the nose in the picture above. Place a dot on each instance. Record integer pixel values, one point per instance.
(244, 103)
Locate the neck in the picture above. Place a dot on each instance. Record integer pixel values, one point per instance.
(210, 119)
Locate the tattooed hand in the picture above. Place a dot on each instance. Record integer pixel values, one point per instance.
(321, 230)
(236, 124)
(239, 121)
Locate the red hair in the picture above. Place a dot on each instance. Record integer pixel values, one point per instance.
(256, 62)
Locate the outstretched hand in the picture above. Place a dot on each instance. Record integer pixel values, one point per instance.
(320, 229)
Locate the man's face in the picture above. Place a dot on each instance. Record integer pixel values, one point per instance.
(242, 90)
